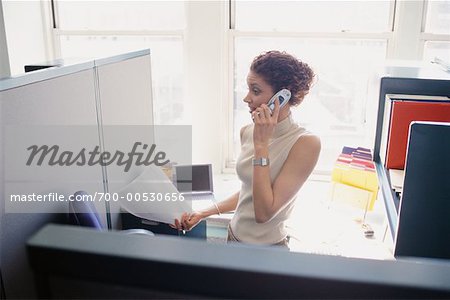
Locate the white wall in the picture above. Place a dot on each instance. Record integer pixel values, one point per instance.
(205, 73)
(24, 33)
(407, 30)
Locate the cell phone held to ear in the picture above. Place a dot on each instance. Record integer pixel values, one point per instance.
(283, 96)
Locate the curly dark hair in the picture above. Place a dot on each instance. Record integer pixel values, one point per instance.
(283, 71)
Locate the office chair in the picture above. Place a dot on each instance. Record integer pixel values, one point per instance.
(84, 213)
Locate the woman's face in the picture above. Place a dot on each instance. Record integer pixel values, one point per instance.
(259, 91)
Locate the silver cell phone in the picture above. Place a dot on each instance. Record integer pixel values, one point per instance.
(283, 96)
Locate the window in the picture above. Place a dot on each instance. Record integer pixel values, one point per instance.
(438, 17)
(121, 15)
(436, 33)
(312, 16)
(433, 50)
(98, 29)
(343, 41)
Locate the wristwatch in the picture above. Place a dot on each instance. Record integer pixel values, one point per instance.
(262, 161)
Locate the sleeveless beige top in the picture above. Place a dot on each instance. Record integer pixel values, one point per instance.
(243, 223)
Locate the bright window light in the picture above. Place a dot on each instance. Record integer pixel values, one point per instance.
(167, 66)
(313, 16)
(439, 50)
(104, 28)
(121, 15)
(438, 17)
(336, 107)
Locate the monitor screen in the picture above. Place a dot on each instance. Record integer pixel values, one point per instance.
(194, 178)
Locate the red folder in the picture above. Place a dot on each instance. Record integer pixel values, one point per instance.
(402, 114)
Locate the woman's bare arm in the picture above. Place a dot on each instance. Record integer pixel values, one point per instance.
(268, 199)
(224, 206)
(190, 220)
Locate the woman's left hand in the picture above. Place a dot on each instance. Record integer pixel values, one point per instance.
(264, 124)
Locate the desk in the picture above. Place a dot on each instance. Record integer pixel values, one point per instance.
(316, 225)
(216, 226)
(323, 227)
(225, 185)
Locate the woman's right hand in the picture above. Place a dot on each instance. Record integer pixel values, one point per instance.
(187, 221)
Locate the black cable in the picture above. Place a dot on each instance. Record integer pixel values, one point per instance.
(2, 287)
(53, 13)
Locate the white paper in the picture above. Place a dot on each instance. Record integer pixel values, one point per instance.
(154, 183)
(397, 179)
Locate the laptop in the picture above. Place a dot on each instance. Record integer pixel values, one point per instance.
(194, 182)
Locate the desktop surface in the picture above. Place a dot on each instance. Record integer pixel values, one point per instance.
(316, 224)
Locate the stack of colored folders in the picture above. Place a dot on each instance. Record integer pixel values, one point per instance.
(354, 178)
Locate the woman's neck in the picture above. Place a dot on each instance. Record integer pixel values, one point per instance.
(283, 114)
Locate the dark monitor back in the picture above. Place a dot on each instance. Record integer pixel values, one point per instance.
(424, 216)
(81, 263)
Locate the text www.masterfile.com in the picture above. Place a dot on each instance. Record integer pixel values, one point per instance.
(97, 196)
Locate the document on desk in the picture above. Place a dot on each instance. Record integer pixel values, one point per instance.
(152, 196)
(397, 179)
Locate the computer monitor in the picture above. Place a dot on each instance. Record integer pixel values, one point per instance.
(79, 263)
(194, 178)
(424, 216)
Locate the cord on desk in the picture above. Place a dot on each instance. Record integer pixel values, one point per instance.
(2, 287)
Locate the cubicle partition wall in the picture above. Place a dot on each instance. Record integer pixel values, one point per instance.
(64, 105)
(125, 117)
(51, 98)
(73, 262)
(427, 81)
(430, 81)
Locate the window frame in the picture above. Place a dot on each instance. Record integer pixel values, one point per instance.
(230, 161)
(56, 32)
(428, 36)
(195, 63)
(405, 41)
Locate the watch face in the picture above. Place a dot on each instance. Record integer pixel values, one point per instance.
(260, 161)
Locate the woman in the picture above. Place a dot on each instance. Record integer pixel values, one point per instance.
(277, 155)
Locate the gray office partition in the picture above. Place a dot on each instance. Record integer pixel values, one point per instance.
(60, 106)
(125, 98)
(429, 81)
(41, 108)
(125, 87)
(86, 264)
